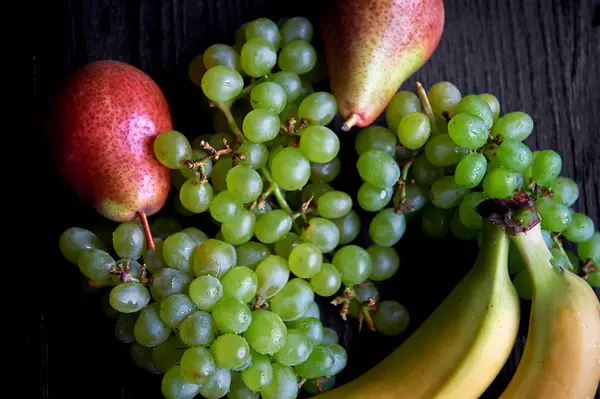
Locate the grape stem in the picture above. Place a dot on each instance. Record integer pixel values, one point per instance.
(365, 314)
(146, 227)
(276, 191)
(225, 107)
(558, 245)
(402, 182)
(427, 107)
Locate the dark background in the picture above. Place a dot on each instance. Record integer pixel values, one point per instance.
(538, 56)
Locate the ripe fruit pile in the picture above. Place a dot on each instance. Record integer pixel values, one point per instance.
(235, 314)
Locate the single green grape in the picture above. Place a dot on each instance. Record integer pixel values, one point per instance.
(444, 98)
(435, 222)
(284, 384)
(513, 125)
(225, 206)
(296, 350)
(322, 233)
(565, 190)
(309, 326)
(467, 212)
(256, 154)
(385, 262)
(446, 193)
(259, 373)
(327, 281)
(378, 168)
(354, 263)
(129, 297)
(240, 229)
(404, 102)
(373, 199)
(272, 274)
(168, 354)
(149, 329)
(174, 386)
(441, 150)
(142, 357)
(244, 183)
(230, 351)
(214, 257)
(284, 247)
(580, 229)
(219, 173)
(195, 195)
(414, 130)
(75, 240)
(171, 147)
(197, 364)
(221, 54)
(177, 251)
(291, 169)
(314, 191)
(514, 155)
(258, 57)
(263, 28)
(240, 283)
(477, 106)
(318, 108)
(269, 95)
(470, 171)
(459, 230)
(198, 329)
(218, 384)
(196, 70)
(305, 260)
(292, 300)
(175, 308)
(499, 183)
(493, 104)
(325, 172)
(467, 131)
(128, 240)
(238, 388)
(272, 226)
(555, 215)
(297, 56)
(312, 311)
(424, 172)
(387, 227)
(334, 204)
(416, 197)
(391, 318)
(296, 28)
(124, 327)
(329, 336)
(267, 333)
(375, 138)
(349, 227)
(261, 125)
(325, 359)
(96, 264)
(221, 83)
(319, 144)
(231, 315)
(205, 291)
(168, 281)
(590, 249)
(251, 253)
(290, 82)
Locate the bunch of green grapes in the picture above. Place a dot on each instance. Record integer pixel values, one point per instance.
(457, 150)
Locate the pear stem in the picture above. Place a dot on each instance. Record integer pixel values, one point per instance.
(350, 122)
(146, 227)
(427, 107)
(225, 107)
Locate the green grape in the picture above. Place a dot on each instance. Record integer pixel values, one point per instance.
(256, 154)
(124, 327)
(263, 28)
(225, 206)
(296, 350)
(292, 301)
(499, 183)
(244, 183)
(414, 130)
(171, 147)
(198, 329)
(214, 257)
(297, 56)
(513, 125)
(269, 95)
(319, 144)
(196, 70)
(559, 260)
(267, 333)
(197, 364)
(168, 281)
(354, 263)
(475, 105)
(470, 171)
(309, 326)
(467, 131)
(493, 104)
(327, 281)
(96, 264)
(435, 222)
(142, 357)
(240, 229)
(149, 329)
(375, 138)
(75, 240)
(318, 108)
(197, 235)
(387, 227)
(221, 54)
(441, 150)
(594, 278)
(168, 354)
(329, 336)
(284, 384)
(459, 230)
(175, 308)
(272, 274)
(219, 125)
(216, 140)
(177, 251)
(153, 258)
(305, 260)
(424, 172)
(385, 262)
(580, 229)
(230, 351)
(260, 373)
(514, 155)
(174, 386)
(403, 103)
(219, 173)
(325, 359)
(523, 285)
(129, 297)
(284, 247)
(349, 227)
(290, 82)
(391, 318)
(373, 199)
(164, 226)
(378, 168)
(319, 385)
(196, 196)
(272, 226)
(555, 215)
(322, 233)
(467, 213)
(590, 249)
(240, 283)
(565, 190)
(446, 193)
(205, 292)
(296, 28)
(291, 169)
(258, 57)
(251, 253)
(334, 204)
(325, 172)
(415, 199)
(444, 98)
(239, 390)
(312, 311)
(217, 385)
(314, 190)
(129, 240)
(261, 125)
(231, 315)
(221, 83)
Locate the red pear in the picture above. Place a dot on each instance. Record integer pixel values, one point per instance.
(102, 130)
(372, 47)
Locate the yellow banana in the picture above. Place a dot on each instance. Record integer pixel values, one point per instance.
(460, 349)
(561, 359)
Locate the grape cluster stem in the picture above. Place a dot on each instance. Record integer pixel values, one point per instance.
(225, 107)
(422, 94)
(349, 295)
(401, 183)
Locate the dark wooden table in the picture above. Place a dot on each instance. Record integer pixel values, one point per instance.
(539, 56)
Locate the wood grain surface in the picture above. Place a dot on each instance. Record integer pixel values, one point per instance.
(537, 56)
